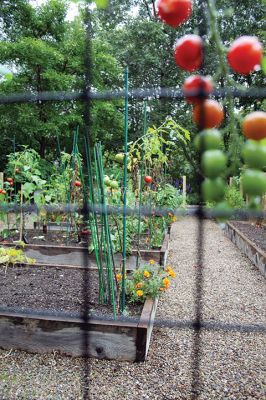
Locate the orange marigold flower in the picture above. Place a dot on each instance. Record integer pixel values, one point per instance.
(166, 282)
(146, 274)
(151, 262)
(168, 268)
(139, 285)
(139, 293)
(119, 277)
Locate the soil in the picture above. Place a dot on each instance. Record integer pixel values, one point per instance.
(257, 234)
(63, 238)
(53, 289)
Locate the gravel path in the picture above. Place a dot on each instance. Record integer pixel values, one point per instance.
(232, 364)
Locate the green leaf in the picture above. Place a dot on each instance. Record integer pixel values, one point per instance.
(263, 65)
(28, 188)
(102, 3)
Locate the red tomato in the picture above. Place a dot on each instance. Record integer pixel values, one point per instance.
(188, 52)
(208, 114)
(77, 183)
(196, 84)
(245, 54)
(148, 179)
(174, 12)
(9, 180)
(254, 125)
(1, 190)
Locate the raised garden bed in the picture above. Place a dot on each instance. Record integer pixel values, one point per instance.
(77, 254)
(251, 240)
(41, 312)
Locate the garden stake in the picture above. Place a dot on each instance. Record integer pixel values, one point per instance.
(141, 182)
(123, 293)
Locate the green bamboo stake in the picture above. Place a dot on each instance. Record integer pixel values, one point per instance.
(141, 181)
(123, 293)
(93, 223)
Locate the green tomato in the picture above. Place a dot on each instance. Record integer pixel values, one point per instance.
(213, 189)
(114, 185)
(119, 158)
(213, 163)
(107, 180)
(209, 139)
(254, 182)
(254, 154)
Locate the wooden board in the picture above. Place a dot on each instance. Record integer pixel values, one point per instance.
(246, 246)
(79, 256)
(105, 339)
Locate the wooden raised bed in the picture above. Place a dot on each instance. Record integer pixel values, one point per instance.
(69, 256)
(256, 255)
(39, 333)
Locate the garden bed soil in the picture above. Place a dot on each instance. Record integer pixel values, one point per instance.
(53, 289)
(257, 234)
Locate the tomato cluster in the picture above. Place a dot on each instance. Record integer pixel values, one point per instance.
(244, 56)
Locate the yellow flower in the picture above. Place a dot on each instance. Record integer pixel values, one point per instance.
(146, 274)
(139, 285)
(139, 293)
(174, 219)
(119, 277)
(168, 268)
(172, 274)
(162, 289)
(166, 283)
(151, 262)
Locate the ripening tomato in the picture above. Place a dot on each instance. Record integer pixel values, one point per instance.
(254, 182)
(77, 183)
(213, 163)
(254, 125)
(3, 192)
(148, 179)
(188, 52)
(245, 54)
(254, 154)
(209, 139)
(174, 12)
(197, 88)
(213, 189)
(208, 114)
(9, 180)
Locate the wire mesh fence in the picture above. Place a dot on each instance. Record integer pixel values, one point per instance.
(87, 96)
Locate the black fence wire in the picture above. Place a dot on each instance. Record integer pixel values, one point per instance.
(87, 96)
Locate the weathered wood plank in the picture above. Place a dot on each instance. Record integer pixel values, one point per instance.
(247, 247)
(108, 339)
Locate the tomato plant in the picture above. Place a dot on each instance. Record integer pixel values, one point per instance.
(148, 179)
(213, 163)
(188, 52)
(245, 54)
(197, 88)
(208, 114)
(254, 154)
(254, 182)
(174, 12)
(254, 125)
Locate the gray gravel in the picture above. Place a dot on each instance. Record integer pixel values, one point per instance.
(232, 364)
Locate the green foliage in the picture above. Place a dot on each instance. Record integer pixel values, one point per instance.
(234, 198)
(168, 196)
(12, 256)
(147, 282)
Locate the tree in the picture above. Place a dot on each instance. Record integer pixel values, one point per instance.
(47, 53)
